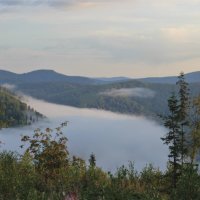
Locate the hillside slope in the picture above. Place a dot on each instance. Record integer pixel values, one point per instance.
(13, 112)
(38, 76)
(43, 76)
(193, 77)
(128, 96)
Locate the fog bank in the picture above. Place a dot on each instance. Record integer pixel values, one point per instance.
(130, 92)
(115, 139)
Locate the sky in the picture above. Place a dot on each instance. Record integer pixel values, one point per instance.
(96, 38)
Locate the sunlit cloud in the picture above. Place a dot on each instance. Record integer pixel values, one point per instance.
(183, 34)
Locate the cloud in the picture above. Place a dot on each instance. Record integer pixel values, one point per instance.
(8, 86)
(36, 2)
(121, 38)
(183, 34)
(51, 3)
(130, 92)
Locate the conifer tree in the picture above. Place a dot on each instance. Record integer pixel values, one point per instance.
(92, 160)
(172, 138)
(195, 129)
(184, 105)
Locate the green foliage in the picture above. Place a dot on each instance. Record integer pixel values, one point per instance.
(94, 183)
(91, 96)
(188, 186)
(184, 108)
(124, 184)
(152, 181)
(45, 171)
(13, 112)
(183, 141)
(172, 139)
(184, 98)
(195, 130)
(50, 156)
(17, 178)
(92, 160)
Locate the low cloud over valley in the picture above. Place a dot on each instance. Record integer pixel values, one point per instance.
(130, 92)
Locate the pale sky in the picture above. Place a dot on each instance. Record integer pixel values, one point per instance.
(134, 38)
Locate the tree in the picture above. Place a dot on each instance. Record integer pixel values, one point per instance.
(50, 157)
(184, 106)
(172, 138)
(195, 129)
(92, 160)
(188, 186)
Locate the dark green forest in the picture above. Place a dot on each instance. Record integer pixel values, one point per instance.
(13, 112)
(46, 170)
(86, 92)
(91, 96)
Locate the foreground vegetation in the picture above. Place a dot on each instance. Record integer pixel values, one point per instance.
(46, 171)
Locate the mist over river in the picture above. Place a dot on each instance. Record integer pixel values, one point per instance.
(115, 139)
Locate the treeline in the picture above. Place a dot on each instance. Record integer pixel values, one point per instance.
(46, 171)
(13, 112)
(183, 140)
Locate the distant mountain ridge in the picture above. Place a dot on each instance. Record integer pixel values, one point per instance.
(113, 79)
(193, 77)
(100, 93)
(42, 76)
(53, 76)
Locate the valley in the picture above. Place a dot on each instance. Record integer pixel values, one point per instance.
(109, 131)
(114, 138)
(99, 100)
(82, 92)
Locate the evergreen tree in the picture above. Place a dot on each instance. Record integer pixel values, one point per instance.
(172, 138)
(184, 105)
(195, 129)
(92, 160)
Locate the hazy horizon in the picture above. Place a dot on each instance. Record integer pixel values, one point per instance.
(106, 76)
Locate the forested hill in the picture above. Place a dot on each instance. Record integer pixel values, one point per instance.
(131, 97)
(53, 76)
(193, 77)
(140, 97)
(43, 76)
(13, 112)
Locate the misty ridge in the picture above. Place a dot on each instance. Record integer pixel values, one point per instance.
(8, 86)
(141, 97)
(129, 92)
(125, 137)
